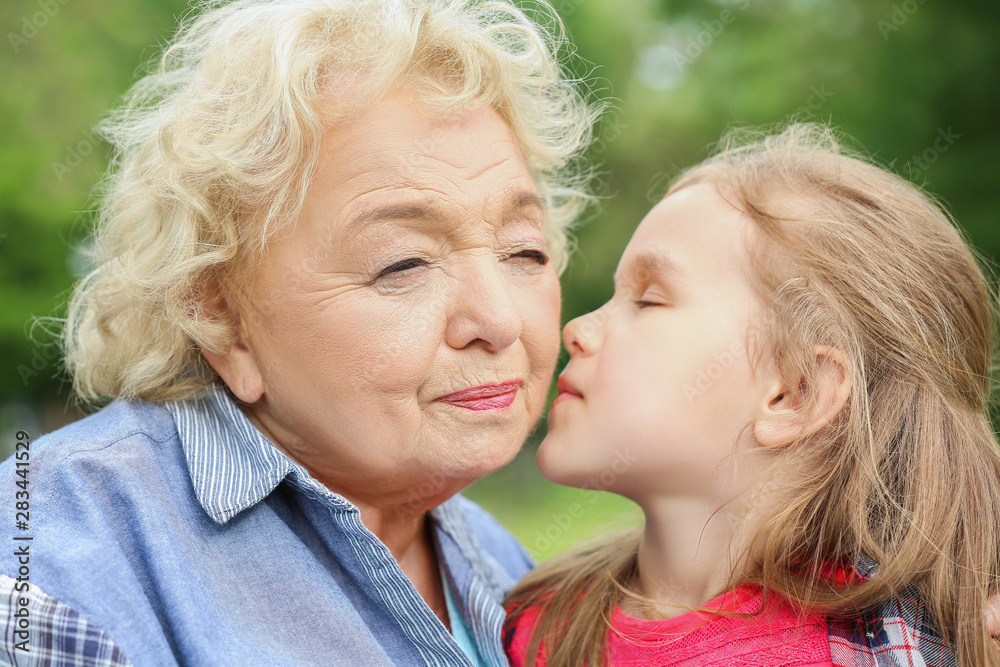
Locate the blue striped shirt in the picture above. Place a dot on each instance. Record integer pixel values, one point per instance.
(177, 534)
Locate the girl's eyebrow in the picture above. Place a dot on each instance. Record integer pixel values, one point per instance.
(656, 261)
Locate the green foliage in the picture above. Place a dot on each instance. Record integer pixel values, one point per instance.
(894, 74)
(64, 63)
(545, 517)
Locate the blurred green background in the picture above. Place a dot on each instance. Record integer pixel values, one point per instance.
(915, 82)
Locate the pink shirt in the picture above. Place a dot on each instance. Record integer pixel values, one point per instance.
(777, 637)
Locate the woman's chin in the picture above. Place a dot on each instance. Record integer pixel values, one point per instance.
(475, 464)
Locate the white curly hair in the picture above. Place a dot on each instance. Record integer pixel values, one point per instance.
(216, 146)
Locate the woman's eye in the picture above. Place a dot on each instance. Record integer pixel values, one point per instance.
(536, 255)
(400, 267)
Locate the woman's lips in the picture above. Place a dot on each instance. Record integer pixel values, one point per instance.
(486, 397)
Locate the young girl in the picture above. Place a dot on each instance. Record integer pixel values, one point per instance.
(796, 366)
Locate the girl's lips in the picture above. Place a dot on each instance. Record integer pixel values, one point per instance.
(564, 396)
(567, 390)
(486, 397)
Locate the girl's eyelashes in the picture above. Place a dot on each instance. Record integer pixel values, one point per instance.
(649, 300)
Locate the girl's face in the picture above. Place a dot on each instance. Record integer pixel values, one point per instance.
(659, 383)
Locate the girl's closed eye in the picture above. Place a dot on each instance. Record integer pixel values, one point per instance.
(646, 304)
(649, 301)
(651, 297)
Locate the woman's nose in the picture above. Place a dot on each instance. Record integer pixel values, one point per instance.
(580, 335)
(483, 308)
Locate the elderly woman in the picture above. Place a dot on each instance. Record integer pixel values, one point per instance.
(325, 300)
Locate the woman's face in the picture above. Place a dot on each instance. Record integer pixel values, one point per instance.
(418, 268)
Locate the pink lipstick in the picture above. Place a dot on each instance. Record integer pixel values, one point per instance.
(486, 397)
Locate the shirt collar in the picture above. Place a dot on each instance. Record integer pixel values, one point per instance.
(451, 519)
(232, 465)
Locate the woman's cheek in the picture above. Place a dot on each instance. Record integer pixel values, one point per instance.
(543, 328)
(547, 312)
(394, 342)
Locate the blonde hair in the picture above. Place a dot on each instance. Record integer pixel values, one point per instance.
(215, 148)
(908, 474)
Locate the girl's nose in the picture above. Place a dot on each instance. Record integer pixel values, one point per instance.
(580, 335)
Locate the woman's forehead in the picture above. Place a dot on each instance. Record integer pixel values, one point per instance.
(400, 124)
(399, 144)
(400, 166)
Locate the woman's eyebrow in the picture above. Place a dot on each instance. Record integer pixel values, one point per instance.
(516, 205)
(656, 261)
(511, 211)
(391, 212)
(525, 199)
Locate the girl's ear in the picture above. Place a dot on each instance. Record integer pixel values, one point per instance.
(787, 415)
(237, 366)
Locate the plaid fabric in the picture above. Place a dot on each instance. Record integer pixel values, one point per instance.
(898, 633)
(58, 636)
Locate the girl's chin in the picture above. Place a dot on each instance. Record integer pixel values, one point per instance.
(546, 459)
(555, 462)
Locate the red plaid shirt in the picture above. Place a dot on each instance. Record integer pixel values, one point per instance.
(898, 633)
